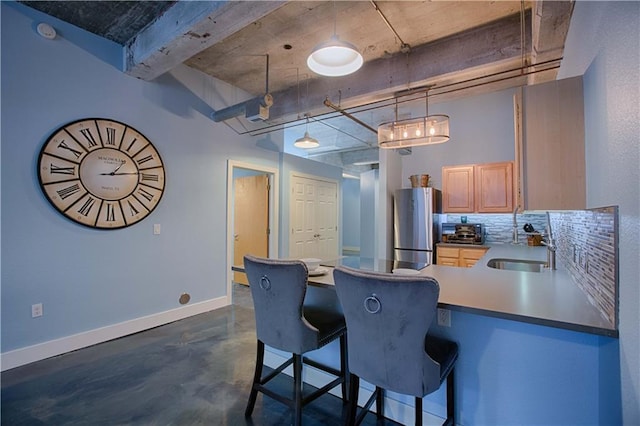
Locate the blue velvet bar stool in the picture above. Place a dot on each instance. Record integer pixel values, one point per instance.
(388, 317)
(283, 322)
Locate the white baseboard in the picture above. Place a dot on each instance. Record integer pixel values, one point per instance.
(29, 354)
(393, 409)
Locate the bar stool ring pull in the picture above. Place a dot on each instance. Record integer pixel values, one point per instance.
(265, 284)
(372, 304)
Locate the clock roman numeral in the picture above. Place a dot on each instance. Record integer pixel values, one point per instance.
(89, 137)
(68, 191)
(131, 144)
(149, 176)
(63, 145)
(87, 206)
(62, 170)
(132, 209)
(146, 194)
(110, 213)
(145, 159)
(111, 135)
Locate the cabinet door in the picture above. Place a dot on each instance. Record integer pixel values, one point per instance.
(467, 263)
(447, 256)
(494, 187)
(469, 257)
(457, 189)
(553, 150)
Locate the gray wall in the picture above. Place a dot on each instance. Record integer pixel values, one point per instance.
(603, 44)
(351, 213)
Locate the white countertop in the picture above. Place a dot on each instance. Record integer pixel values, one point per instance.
(548, 298)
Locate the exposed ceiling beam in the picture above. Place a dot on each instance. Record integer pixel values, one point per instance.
(550, 25)
(186, 29)
(498, 42)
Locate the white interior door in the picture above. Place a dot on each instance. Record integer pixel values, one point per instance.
(327, 219)
(314, 218)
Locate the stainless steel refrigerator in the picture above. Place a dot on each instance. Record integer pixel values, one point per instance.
(415, 227)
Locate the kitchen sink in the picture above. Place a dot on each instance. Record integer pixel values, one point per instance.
(517, 265)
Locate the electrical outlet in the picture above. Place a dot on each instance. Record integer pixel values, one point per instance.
(36, 310)
(444, 317)
(156, 229)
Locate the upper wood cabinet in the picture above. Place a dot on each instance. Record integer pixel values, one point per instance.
(482, 188)
(457, 189)
(494, 187)
(550, 151)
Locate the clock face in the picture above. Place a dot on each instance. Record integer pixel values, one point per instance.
(101, 173)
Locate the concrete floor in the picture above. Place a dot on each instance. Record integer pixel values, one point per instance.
(195, 371)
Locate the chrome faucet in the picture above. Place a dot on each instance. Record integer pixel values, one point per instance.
(515, 226)
(551, 246)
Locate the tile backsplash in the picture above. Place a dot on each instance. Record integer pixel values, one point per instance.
(587, 243)
(587, 247)
(498, 228)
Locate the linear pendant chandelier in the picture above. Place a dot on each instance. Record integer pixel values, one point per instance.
(427, 130)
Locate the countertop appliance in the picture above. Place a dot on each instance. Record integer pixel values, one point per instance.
(415, 226)
(463, 233)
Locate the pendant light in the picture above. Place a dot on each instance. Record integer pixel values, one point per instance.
(427, 130)
(306, 142)
(334, 58)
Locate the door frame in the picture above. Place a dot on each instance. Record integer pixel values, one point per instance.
(274, 202)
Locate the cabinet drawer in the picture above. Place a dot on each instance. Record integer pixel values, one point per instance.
(447, 261)
(472, 254)
(448, 252)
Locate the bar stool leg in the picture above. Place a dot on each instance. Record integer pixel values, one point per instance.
(297, 383)
(379, 402)
(344, 368)
(451, 399)
(257, 375)
(418, 411)
(354, 387)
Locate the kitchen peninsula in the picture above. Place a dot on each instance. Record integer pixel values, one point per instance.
(548, 298)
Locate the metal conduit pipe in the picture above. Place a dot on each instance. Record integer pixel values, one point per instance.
(328, 103)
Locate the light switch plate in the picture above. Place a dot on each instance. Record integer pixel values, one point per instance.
(156, 229)
(36, 310)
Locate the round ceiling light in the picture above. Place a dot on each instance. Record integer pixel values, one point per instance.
(334, 58)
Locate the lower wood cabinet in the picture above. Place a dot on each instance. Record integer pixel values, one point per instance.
(458, 256)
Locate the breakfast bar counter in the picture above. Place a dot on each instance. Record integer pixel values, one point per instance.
(549, 297)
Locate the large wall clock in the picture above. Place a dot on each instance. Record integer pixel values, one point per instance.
(101, 173)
